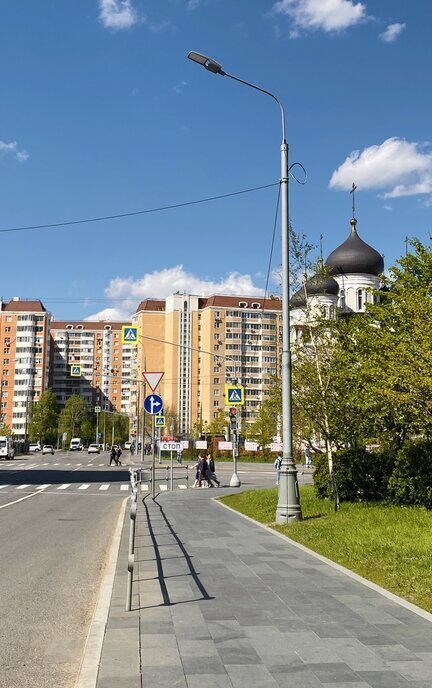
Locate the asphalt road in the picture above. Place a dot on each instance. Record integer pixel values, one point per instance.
(57, 517)
(54, 540)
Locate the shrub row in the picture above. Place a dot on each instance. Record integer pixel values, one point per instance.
(404, 478)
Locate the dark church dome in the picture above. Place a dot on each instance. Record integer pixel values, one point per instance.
(355, 256)
(318, 285)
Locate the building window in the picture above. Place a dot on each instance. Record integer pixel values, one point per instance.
(359, 299)
(217, 392)
(215, 380)
(342, 299)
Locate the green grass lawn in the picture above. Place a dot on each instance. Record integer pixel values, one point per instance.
(389, 545)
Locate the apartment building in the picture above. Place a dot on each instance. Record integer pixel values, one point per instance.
(201, 344)
(24, 346)
(105, 364)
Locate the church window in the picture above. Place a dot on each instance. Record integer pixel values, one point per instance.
(359, 299)
(342, 299)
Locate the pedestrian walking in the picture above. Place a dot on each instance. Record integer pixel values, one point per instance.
(113, 455)
(132, 449)
(118, 455)
(179, 457)
(277, 464)
(211, 470)
(197, 482)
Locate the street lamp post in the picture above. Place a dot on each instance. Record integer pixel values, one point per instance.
(288, 509)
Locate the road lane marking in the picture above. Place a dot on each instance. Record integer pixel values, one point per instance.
(104, 487)
(84, 486)
(183, 487)
(21, 499)
(2, 486)
(64, 486)
(144, 487)
(124, 487)
(42, 487)
(22, 487)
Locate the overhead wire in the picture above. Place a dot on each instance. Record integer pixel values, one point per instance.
(117, 216)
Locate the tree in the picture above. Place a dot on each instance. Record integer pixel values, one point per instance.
(394, 352)
(217, 425)
(74, 413)
(44, 416)
(265, 426)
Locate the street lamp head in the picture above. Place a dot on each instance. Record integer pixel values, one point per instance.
(207, 62)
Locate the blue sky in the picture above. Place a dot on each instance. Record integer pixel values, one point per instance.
(102, 114)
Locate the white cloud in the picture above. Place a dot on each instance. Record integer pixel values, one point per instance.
(392, 32)
(398, 167)
(12, 147)
(179, 88)
(193, 4)
(117, 14)
(162, 283)
(326, 15)
(388, 207)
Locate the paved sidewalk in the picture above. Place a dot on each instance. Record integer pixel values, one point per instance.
(220, 602)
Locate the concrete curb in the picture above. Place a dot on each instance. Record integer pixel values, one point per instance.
(88, 672)
(355, 576)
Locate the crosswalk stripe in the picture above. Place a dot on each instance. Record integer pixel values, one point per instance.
(101, 464)
(64, 486)
(182, 487)
(21, 487)
(163, 488)
(124, 487)
(43, 487)
(45, 464)
(104, 487)
(2, 486)
(79, 464)
(144, 487)
(56, 464)
(85, 486)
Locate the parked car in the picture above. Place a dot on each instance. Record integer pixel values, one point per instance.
(34, 447)
(93, 449)
(47, 449)
(127, 445)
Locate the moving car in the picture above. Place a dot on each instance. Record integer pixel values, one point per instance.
(75, 444)
(127, 445)
(7, 450)
(47, 449)
(34, 447)
(93, 449)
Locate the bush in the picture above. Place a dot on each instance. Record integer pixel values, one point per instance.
(360, 475)
(411, 480)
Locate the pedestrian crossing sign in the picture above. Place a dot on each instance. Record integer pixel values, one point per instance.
(159, 421)
(234, 395)
(130, 334)
(75, 370)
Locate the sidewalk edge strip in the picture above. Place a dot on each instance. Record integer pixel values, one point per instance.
(351, 574)
(88, 672)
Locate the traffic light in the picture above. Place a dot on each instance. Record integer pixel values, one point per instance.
(233, 418)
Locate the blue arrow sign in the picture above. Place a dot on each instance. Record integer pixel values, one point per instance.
(153, 404)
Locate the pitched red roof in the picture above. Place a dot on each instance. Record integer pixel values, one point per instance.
(151, 305)
(22, 305)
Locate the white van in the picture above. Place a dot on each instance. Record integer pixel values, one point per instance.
(75, 444)
(7, 450)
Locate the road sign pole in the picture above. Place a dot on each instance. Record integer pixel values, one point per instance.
(143, 422)
(235, 480)
(153, 457)
(97, 428)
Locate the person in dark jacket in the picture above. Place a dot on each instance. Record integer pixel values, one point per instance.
(118, 455)
(211, 471)
(113, 455)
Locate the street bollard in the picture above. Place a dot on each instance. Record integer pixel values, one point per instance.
(133, 511)
(166, 476)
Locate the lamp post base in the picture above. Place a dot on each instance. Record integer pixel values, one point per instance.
(235, 480)
(288, 509)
